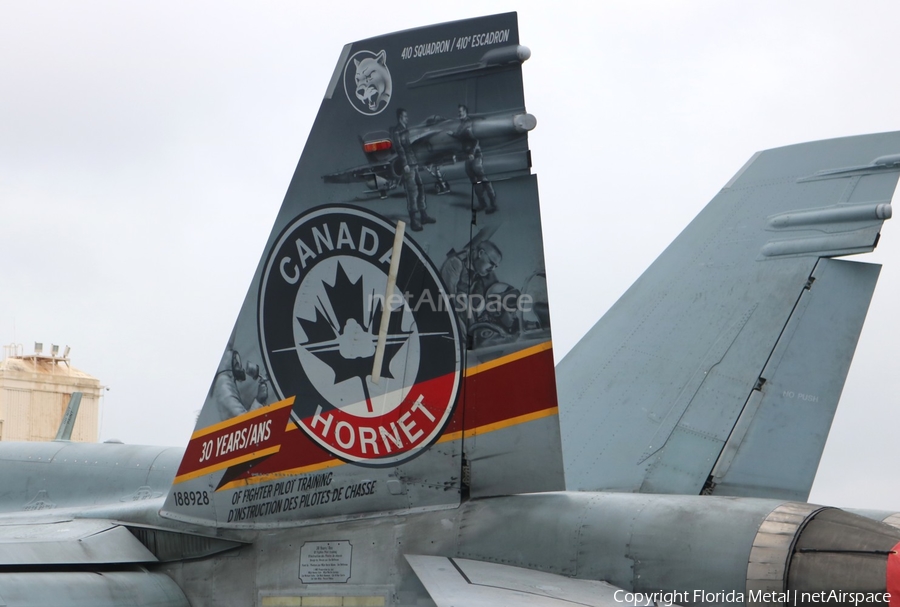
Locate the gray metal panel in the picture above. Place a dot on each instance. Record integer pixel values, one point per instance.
(650, 395)
(173, 546)
(455, 582)
(40, 476)
(73, 542)
(634, 541)
(778, 440)
(90, 589)
(500, 466)
(553, 522)
(686, 542)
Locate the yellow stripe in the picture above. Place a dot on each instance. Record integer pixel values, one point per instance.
(506, 423)
(253, 480)
(243, 417)
(547, 345)
(508, 359)
(227, 464)
(449, 437)
(514, 421)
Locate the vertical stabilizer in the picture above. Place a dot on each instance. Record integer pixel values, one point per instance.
(68, 421)
(742, 307)
(393, 351)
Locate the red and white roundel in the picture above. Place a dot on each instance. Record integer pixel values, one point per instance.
(321, 302)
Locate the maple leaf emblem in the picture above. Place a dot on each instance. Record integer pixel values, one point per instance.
(346, 340)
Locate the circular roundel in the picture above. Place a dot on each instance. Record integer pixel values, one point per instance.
(325, 321)
(367, 82)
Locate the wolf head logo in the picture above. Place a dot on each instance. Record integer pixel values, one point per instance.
(372, 82)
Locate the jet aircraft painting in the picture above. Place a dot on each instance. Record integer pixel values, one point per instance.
(448, 149)
(383, 427)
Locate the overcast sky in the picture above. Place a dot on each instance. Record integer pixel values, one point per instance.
(145, 148)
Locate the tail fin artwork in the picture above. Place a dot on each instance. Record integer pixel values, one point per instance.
(720, 369)
(393, 351)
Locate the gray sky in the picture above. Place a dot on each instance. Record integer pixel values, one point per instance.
(145, 149)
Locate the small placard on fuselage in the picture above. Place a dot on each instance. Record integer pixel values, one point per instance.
(325, 562)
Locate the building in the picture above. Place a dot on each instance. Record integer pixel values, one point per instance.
(35, 390)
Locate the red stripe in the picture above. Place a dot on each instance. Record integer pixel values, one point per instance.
(242, 435)
(517, 388)
(298, 450)
(893, 576)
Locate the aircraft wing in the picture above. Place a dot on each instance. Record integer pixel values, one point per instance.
(70, 542)
(56, 562)
(720, 369)
(453, 582)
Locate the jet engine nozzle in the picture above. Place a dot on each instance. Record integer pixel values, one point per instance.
(815, 553)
